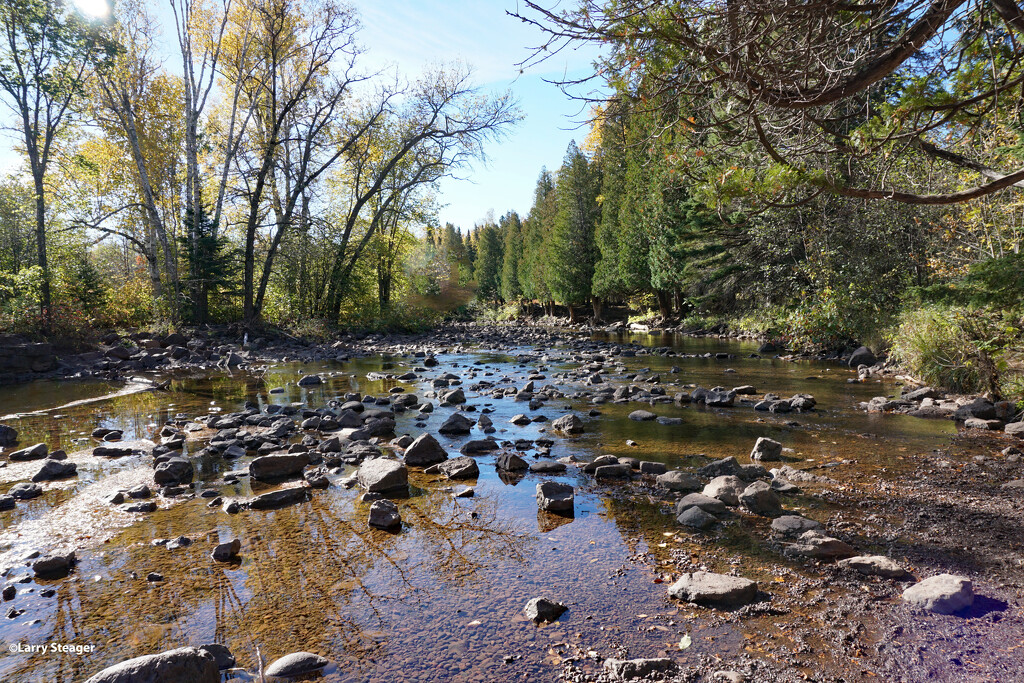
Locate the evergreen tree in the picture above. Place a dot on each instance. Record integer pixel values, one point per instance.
(212, 262)
(488, 262)
(512, 236)
(536, 239)
(607, 279)
(573, 250)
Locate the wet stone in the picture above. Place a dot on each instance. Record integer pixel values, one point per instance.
(173, 666)
(463, 467)
(540, 610)
(555, 496)
(382, 475)
(225, 552)
(25, 491)
(37, 452)
(384, 515)
(696, 518)
(510, 462)
(296, 664)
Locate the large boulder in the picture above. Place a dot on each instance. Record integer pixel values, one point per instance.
(699, 500)
(568, 424)
(190, 664)
(37, 452)
(425, 451)
(942, 594)
(554, 496)
(862, 356)
(793, 525)
(457, 423)
(278, 466)
(678, 480)
(296, 664)
(381, 475)
(510, 462)
(1015, 429)
(714, 589)
(766, 450)
(55, 469)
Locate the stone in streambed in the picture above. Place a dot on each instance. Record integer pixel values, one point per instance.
(555, 497)
(381, 475)
(760, 499)
(942, 594)
(278, 466)
(633, 669)
(278, 498)
(37, 452)
(794, 525)
(463, 467)
(726, 488)
(568, 424)
(677, 480)
(191, 664)
(55, 469)
(225, 552)
(384, 515)
(425, 451)
(875, 565)
(696, 518)
(642, 416)
(767, 450)
(713, 589)
(25, 491)
(510, 462)
(54, 565)
(543, 610)
(296, 664)
(457, 423)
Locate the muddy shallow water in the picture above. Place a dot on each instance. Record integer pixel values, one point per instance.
(442, 600)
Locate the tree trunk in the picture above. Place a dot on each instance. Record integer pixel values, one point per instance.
(572, 314)
(596, 303)
(664, 303)
(40, 198)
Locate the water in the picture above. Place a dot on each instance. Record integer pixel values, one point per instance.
(441, 600)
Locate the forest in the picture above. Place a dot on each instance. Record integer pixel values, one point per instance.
(726, 179)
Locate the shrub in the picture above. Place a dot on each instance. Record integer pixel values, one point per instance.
(961, 349)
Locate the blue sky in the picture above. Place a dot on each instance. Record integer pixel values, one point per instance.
(415, 34)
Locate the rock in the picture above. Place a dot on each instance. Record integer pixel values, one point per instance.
(766, 450)
(543, 610)
(478, 446)
(696, 518)
(817, 545)
(713, 589)
(654, 468)
(862, 356)
(8, 436)
(642, 416)
(1015, 429)
(296, 664)
(225, 660)
(425, 451)
(112, 451)
(6, 502)
(384, 515)
(520, 420)
(599, 461)
(463, 467)
(568, 424)
(54, 565)
(453, 396)
(382, 475)
(173, 472)
(721, 467)
(760, 499)
(631, 669)
(55, 469)
(794, 525)
(547, 467)
(25, 491)
(875, 565)
(942, 594)
(225, 552)
(278, 466)
(616, 471)
(457, 423)
(510, 462)
(677, 480)
(728, 677)
(37, 452)
(726, 488)
(706, 503)
(717, 398)
(978, 423)
(981, 408)
(191, 664)
(555, 497)
(310, 381)
(279, 498)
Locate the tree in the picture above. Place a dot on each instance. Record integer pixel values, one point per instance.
(608, 282)
(797, 96)
(537, 228)
(489, 262)
(511, 229)
(45, 61)
(573, 250)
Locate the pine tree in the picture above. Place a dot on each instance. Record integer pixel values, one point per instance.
(607, 279)
(536, 239)
(512, 237)
(573, 250)
(488, 263)
(212, 262)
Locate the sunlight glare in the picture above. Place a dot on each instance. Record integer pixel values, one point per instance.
(93, 8)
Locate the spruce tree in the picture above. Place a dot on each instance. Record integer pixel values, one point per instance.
(512, 236)
(573, 250)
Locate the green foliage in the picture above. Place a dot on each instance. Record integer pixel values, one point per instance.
(573, 251)
(512, 256)
(489, 263)
(961, 349)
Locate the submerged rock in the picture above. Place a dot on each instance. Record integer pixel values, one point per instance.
(677, 480)
(279, 498)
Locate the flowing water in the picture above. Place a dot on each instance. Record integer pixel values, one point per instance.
(441, 600)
